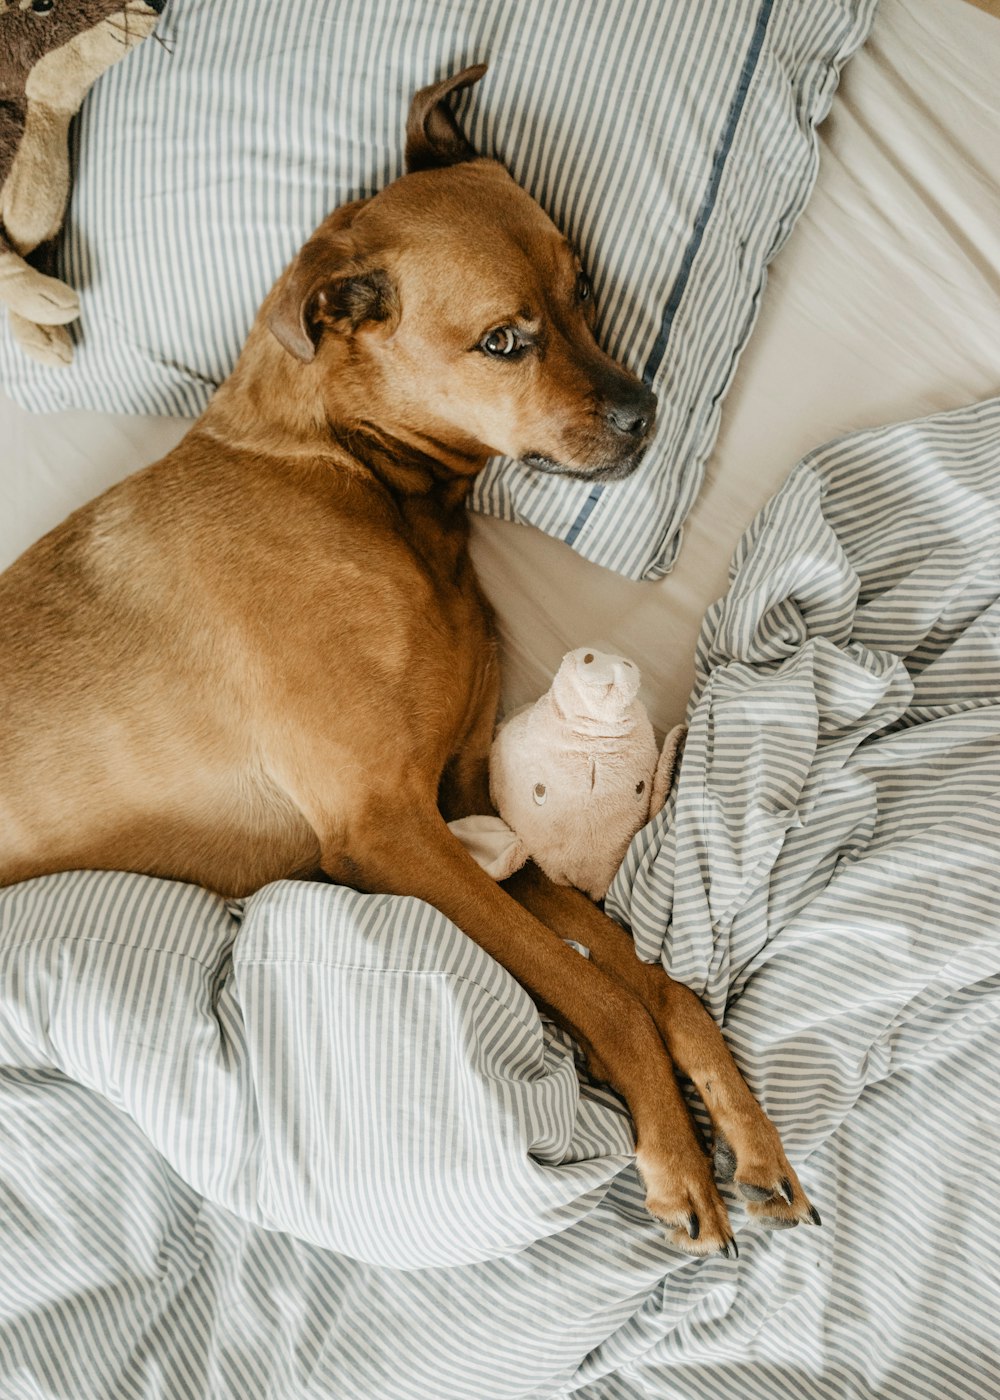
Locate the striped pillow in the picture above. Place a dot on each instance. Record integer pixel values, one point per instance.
(674, 144)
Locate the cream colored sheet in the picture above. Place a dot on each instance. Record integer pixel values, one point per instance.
(884, 305)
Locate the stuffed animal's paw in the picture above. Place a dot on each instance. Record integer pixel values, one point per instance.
(492, 844)
(30, 294)
(49, 345)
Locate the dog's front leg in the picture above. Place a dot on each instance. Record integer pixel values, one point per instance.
(417, 855)
(747, 1145)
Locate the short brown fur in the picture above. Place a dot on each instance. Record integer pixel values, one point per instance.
(268, 654)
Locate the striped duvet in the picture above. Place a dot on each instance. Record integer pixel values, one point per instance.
(316, 1144)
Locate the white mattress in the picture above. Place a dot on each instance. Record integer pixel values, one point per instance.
(884, 305)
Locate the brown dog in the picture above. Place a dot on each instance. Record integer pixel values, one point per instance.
(268, 655)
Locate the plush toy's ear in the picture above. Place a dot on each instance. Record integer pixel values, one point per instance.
(330, 287)
(666, 766)
(433, 136)
(490, 841)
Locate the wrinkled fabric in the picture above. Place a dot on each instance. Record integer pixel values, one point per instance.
(319, 1144)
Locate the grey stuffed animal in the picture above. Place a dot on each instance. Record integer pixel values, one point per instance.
(51, 51)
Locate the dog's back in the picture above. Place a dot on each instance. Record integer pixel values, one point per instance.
(167, 646)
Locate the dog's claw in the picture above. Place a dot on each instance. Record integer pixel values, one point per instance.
(814, 1216)
(786, 1190)
(694, 1226)
(729, 1250)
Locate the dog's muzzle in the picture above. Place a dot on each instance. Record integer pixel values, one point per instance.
(627, 426)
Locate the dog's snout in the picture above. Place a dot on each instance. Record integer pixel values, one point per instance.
(633, 415)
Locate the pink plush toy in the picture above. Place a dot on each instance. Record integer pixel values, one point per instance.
(574, 776)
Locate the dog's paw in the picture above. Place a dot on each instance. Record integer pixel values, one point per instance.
(683, 1197)
(761, 1173)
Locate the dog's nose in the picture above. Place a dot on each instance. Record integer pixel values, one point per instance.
(625, 420)
(633, 416)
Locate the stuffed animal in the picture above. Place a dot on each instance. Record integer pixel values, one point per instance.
(51, 51)
(574, 776)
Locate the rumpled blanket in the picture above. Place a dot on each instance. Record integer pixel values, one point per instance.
(318, 1144)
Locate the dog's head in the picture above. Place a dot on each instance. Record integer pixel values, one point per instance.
(449, 311)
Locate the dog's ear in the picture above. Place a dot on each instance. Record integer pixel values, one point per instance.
(329, 287)
(433, 136)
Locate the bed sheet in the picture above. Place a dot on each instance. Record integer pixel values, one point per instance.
(884, 305)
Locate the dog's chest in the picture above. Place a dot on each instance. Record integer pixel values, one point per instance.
(452, 635)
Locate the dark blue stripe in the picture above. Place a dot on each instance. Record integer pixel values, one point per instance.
(715, 179)
(584, 516)
(698, 233)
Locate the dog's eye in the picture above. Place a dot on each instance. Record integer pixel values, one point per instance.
(584, 289)
(640, 787)
(501, 342)
(41, 7)
(538, 793)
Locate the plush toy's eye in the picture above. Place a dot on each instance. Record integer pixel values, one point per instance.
(538, 793)
(41, 7)
(640, 787)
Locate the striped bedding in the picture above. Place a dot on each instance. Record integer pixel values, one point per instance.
(316, 1144)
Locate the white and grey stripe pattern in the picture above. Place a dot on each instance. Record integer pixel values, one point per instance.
(320, 1145)
(673, 143)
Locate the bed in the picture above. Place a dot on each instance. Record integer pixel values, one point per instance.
(824, 875)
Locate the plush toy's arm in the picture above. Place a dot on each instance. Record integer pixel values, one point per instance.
(490, 841)
(34, 171)
(30, 292)
(31, 209)
(666, 766)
